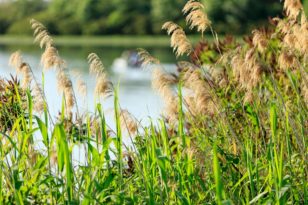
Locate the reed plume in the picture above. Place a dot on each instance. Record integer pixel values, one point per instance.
(38, 99)
(201, 100)
(27, 75)
(196, 17)
(51, 59)
(162, 83)
(128, 122)
(301, 33)
(293, 8)
(82, 87)
(259, 40)
(80, 83)
(96, 65)
(15, 60)
(65, 86)
(103, 87)
(146, 58)
(179, 41)
(283, 26)
(41, 34)
(287, 60)
(22, 68)
(248, 70)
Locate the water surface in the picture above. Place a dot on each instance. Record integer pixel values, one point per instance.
(135, 91)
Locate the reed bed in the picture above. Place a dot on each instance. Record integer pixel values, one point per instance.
(233, 129)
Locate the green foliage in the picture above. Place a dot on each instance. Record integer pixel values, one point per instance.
(240, 16)
(94, 17)
(12, 103)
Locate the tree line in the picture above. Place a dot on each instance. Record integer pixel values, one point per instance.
(100, 17)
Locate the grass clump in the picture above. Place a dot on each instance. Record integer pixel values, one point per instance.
(233, 131)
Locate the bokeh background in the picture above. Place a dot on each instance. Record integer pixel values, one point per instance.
(134, 17)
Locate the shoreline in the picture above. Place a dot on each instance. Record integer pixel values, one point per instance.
(112, 41)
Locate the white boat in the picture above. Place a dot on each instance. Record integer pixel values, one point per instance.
(128, 67)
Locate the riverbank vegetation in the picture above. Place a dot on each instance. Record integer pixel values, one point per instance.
(129, 17)
(233, 130)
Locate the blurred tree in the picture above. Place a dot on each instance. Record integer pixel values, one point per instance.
(238, 16)
(95, 17)
(130, 17)
(16, 11)
(166, 10)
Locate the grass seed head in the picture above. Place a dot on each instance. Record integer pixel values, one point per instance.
(41, 35)
(96, 65)
(293, 8)
(50, 58)
(287, 60)
(259, 40)
(147, 58)
(128, 122)
(196, 17)
(179, 41)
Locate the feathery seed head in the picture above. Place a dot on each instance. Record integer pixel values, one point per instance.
(103, 87)
(82, 87)
(147, 58)
(287, 60)
(196, 16)
(69, 99)
(22, 68)
(259, 40)
(161, 82)
(38, 99)
(27, 75)
(41, 34)
(15, 60)
(66, 87)
(64, 82)
(192, 5)
(201, 93)
(293, 8)
(128, 122)
(96, 65)
(50, 58)
(179, 41)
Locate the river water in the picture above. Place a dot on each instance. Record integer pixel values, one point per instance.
(135, 92)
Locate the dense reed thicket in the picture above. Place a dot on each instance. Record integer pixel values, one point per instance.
(233, 130)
